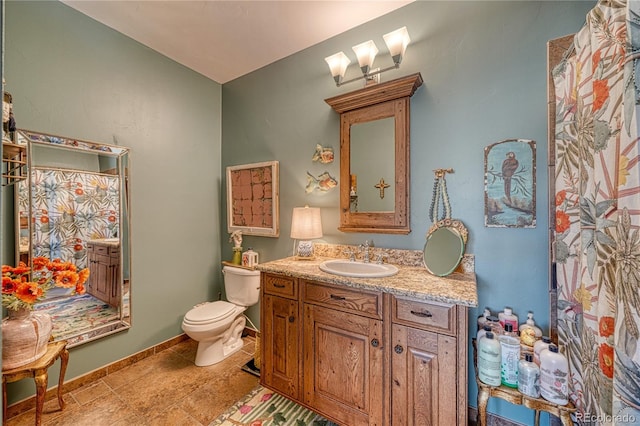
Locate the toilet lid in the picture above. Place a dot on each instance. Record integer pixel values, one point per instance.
(210, 312)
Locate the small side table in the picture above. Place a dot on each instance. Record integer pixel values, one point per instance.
(516, 397)
(38, 369)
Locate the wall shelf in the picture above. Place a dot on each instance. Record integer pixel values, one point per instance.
(14, 163)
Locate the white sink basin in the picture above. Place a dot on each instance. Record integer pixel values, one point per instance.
(346, 268)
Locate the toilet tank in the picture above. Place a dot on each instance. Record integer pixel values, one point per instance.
(242, 286)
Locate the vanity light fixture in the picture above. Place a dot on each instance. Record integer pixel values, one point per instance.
(306, 224)
(366, 52)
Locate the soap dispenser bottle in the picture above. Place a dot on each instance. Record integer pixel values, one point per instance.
(530, 323)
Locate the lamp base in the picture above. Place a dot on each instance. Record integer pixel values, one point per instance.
(305, 250)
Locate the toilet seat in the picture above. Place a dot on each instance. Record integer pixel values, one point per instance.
(210, 312)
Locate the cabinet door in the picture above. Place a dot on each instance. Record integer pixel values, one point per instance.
(343, 365)
(280, 343)
(114, 273)
(423, 378)
(100, 275)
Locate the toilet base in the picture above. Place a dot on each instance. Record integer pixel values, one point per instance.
(212, 352)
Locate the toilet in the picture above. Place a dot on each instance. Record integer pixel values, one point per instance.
(217, 326)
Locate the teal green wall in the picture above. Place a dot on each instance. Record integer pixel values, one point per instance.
(484, 67)
(72, 76)
(484, 71)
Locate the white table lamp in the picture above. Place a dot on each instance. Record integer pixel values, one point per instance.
(306, 225)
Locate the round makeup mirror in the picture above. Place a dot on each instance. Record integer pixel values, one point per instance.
(445, 247)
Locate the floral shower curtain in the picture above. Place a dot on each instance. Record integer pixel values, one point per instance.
(597, 211)
(69, 207)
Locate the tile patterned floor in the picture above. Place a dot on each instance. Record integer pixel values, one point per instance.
(163, 389)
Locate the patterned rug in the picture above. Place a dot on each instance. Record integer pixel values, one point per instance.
(262, 407)
(73, 315)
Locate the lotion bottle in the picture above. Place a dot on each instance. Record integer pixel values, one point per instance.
(529, 377)
(482, 333)
(510, 356)
(489, 360)
(554, 376)
(483, 318)
(494, 323)
(507, 316)
(539, 346)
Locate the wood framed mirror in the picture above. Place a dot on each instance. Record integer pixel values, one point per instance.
(374, 128)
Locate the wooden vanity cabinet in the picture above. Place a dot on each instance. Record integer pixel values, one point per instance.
(281, 327)
(104, 272)
(426, 383)
(363, 357)
(343, 353)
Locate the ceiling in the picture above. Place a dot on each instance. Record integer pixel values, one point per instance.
(224, 40)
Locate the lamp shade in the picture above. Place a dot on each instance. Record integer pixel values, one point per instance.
(306, 223)
(338, 65)
(366, 52)
(397, 42)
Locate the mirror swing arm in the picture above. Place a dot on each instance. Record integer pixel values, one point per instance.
(377, 102)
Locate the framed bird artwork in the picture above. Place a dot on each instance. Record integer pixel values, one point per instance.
(510, 184)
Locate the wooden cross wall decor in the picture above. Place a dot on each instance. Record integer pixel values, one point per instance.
(381, 186)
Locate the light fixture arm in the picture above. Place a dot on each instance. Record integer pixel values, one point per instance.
(368, 75)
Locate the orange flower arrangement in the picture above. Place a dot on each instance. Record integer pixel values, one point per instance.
(19, 292)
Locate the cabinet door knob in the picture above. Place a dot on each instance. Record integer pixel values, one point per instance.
(292, 318)
(334, 297)
(375, 343)
(276, 285)
(398, 349)
(423, 314)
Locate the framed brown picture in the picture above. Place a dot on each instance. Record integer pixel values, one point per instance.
(253, 199)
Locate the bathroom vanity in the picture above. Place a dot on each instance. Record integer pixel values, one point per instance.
(367, 351)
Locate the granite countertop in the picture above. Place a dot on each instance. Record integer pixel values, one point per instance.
(413, 281)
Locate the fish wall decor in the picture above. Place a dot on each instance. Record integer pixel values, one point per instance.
(322, 183)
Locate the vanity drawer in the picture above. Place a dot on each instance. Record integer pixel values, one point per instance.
(345, 299)
(103, 249)
(427, 315)
(280, 286)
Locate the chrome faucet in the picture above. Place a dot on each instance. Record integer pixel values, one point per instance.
(365, 248)
(351, 254)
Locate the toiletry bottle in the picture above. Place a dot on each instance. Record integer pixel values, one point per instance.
(529, 377)
(489, 360)
(507, 316)
(510, 356)
(482, 332)
(530, 323)
(554, 376)
(483, 318)
(494, 323)
(539, 346)
(508, 330)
